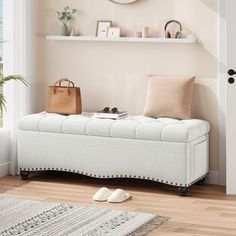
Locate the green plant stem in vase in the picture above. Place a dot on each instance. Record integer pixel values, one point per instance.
(64, 17)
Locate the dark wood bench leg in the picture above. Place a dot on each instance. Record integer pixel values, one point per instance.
(201, 181)
(24, 174)
(182, 191)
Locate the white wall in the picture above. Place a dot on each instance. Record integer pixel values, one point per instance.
(115, 74)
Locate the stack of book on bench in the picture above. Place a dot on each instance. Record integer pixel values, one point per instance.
(109, 115)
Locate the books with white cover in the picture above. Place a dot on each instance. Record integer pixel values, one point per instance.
(110, 115)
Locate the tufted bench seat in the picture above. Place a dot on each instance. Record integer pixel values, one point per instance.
(166, 150)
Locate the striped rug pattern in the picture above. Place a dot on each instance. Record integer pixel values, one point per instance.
(34, 218)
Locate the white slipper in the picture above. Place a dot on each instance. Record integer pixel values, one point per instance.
(118, 196)
(102, 195)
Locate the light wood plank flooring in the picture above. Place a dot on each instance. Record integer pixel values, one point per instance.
(206, 211)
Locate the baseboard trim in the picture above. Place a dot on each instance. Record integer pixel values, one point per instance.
(4, 169)
(213, 178)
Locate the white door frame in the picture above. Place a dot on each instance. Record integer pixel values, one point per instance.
(222, 91)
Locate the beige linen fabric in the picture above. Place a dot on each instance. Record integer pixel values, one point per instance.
(169, 97)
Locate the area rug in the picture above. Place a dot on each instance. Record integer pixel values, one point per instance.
(34, 218)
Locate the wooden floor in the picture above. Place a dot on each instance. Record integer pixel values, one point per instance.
(206, 211)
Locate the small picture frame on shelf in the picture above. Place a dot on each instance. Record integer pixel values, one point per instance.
(102, 28)
(113, 32)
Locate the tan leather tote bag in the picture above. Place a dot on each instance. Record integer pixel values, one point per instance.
(64, 100)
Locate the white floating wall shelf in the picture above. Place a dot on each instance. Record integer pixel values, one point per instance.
(188, 40)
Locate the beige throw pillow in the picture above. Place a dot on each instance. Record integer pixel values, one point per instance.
(169, 97)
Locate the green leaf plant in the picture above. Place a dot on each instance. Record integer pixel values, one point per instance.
(66, 15)
(4, 80)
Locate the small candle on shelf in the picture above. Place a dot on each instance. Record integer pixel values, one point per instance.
(145, 33)
(138, 34)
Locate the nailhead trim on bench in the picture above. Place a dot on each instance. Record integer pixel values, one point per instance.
(115, 176)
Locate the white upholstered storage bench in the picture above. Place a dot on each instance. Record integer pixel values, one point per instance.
(165, 150)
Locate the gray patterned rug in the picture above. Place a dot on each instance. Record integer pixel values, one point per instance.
(34, 218)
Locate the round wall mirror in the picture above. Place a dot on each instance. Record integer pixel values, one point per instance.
(124, 1)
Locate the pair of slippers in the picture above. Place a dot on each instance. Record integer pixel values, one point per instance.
(105, 194)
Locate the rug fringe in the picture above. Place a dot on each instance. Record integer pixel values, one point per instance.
(147, 227)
